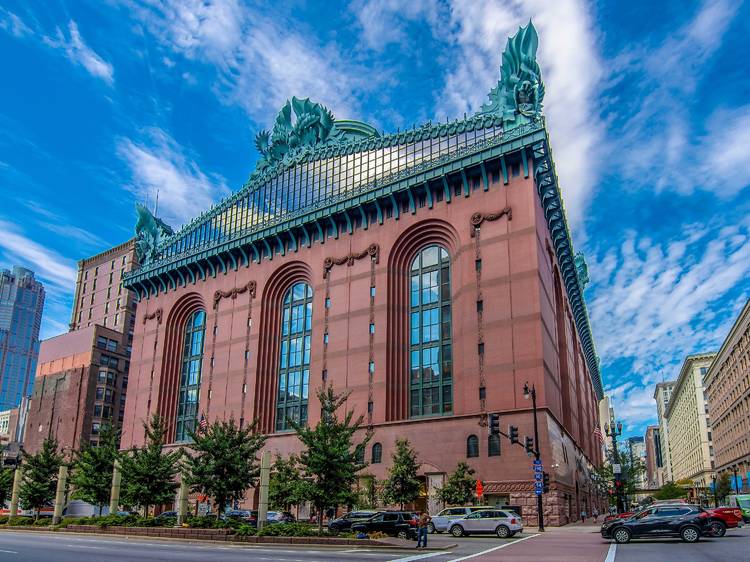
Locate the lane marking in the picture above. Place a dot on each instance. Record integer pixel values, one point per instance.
(611, 553)
(9, 551)
(493, 549)
(418, 557)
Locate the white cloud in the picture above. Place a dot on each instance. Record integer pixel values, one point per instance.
(158, 163)
(46, 263)
(79, 52)
(14, 25)
(566, 42)
(382, 21)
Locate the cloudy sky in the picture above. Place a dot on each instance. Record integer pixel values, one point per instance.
(648, 104)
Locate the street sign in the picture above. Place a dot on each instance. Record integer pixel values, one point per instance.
(538, 487)
(538, 468)
(538, 461)
(538, 476)
(617, 469)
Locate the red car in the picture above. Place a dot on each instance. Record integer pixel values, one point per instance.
(723, 518)
(623, 515)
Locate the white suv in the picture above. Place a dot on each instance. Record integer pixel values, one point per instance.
(439, 523)
(504, 524)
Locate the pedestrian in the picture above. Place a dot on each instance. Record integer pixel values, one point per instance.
(583, 515)
(422, 525)
(595, 513)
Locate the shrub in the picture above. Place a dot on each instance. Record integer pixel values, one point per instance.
(43, 522)
(18, 521)
(245, 530)
(3, 519)
(200, 522)
(288, 530)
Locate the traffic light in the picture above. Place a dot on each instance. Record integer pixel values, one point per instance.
(494, 424)
(529, 446)
(513, 433)
(545, 482)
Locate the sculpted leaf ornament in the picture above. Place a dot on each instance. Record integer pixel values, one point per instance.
(150, 231)
(519, 93)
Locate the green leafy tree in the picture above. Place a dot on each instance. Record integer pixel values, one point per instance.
(723, 486)
(6, 480)
(287, 487)
(148, 472)
(670, 491)
(402, 485)
(368, 492)
(91, 477)
(459, 489)
(225, 463)
(330, 460)
(632, 468)
(39, 482)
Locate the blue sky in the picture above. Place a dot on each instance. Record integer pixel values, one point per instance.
(648, 105)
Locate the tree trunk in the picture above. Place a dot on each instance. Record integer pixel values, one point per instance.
(320, 520)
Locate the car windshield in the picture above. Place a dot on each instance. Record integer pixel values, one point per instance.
(744, 503)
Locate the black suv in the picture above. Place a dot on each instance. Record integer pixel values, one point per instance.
(401, 524)
(688, 522)
(345, 522)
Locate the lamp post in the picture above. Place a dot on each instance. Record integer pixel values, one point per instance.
(716, 499)
(531, 393)
(736, 483)
(614, 431)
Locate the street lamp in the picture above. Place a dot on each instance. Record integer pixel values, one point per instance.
(716, 499)
(614, 432)
(736, 482)
(531, 393)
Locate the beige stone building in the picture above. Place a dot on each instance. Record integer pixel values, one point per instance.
(662, 394)
(690, 448)
(606, 416)
(728, 395)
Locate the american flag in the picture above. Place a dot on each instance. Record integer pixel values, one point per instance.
(203, 424)
(598, 434)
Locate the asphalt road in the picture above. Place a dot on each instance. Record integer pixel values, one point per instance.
(20, 546)
(733, 547)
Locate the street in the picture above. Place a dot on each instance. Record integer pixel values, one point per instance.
(574, 543)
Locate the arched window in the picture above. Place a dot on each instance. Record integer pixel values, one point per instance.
(377, 453)
(493, 446)
(294, 363)
(431, 358)
(190, 377)
(472, 446)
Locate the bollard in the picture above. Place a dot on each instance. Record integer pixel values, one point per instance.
(17, 477)
(62, 477)
(265, 474)
(114, 493)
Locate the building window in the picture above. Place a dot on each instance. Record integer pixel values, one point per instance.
(371, 367)
(377, 453)
(372, 328)
(472, 447)
(372, 292)
(431, 360)
(190, 378)
(294, 363)
(493, 446)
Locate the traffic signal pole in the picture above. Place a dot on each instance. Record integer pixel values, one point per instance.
(537, 456)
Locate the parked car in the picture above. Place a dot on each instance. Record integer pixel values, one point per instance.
(401, 524)
(623, 515)
(245, 515)
(439, 523)
(165, 514)
(689, 522)
(280, 517)
(504, 524)
(723, 518)
(344, 523)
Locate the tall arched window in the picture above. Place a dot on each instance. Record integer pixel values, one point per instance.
(190, 378)
(377, 453)
(431, 358)
(472, 446)
(294, 363)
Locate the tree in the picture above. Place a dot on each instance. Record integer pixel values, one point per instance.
(368, 491)
(6, 482)
(723, 486)
(286, 486)
(402, 485)
(670, 491)
(225, 464)
(459, 489)
(330, 460)
(39, 483)
(632, 468)
(148, 473)
(92, 469)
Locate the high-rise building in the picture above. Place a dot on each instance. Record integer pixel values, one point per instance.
(654, 463)
(21, 305)
(637, 452)
(82, 376)
(728, 395)
(662, 395)
(428, 272)
(690, 445)
(606, 420)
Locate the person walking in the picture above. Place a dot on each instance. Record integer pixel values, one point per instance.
(595, 514)
(422, 525)
(583, 515)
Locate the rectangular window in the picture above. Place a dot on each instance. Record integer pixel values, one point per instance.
(480, 306)
(480, 348)
(372, 292)
(328, 302)
(372, 328)
(371, 367)
(482, 393)
(478, 265)
(324, 375)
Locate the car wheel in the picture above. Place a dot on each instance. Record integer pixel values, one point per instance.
(431, 528)
(690, 533)
(457, 531)
(622, 535)
(502, 532)
(403, 535)
(718, 529)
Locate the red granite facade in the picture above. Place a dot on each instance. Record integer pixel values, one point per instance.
(512, 323)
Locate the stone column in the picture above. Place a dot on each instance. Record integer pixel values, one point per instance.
(62, 478)
(114, 494)
(17, 477)
(182, 499)
(265, 474)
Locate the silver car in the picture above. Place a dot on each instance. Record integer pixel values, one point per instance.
(439, 522)
(504, 524)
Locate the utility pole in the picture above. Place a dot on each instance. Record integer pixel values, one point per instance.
(537, 455)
